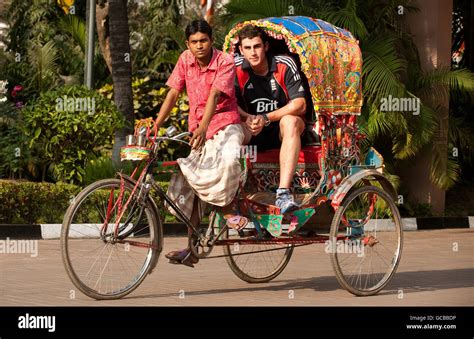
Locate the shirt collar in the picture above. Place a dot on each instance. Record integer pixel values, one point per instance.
(271, 61)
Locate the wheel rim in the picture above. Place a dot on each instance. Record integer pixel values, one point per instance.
(261, 265)
(366, 245)
(102, 261)
(257, 267)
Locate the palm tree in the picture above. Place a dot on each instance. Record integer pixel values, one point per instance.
(121, 70)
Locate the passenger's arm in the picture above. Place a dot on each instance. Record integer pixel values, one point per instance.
(294, 107)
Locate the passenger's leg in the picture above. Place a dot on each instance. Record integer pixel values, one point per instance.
(291, 128)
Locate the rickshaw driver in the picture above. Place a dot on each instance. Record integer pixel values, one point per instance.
(272, 106)
(208, 75)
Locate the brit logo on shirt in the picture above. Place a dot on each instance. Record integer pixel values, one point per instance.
(265, 105)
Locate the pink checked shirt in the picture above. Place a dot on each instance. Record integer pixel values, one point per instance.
(220, 75)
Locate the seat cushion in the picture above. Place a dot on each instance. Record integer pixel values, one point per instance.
(308, 155)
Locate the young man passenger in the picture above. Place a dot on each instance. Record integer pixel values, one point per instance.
(209, 175)
(272, 105)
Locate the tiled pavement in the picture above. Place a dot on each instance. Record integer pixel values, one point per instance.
(437, 269)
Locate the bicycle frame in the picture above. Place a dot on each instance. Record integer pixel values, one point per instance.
(146, 181)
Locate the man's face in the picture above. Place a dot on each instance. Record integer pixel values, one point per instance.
(253, 50)
(200, 45)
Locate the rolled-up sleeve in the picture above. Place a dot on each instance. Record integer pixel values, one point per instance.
(225, 76)
(177, 78)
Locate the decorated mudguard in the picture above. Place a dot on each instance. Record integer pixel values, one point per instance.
(273, 222)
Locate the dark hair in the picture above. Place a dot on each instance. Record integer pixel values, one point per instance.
(250, 32)
(200, 26)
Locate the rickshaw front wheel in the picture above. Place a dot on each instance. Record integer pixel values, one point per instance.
(366, 240)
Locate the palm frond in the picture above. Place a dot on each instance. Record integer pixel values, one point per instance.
(461, 137)
(381, 70)
(76, 28)
(177, 34)
(348, 19)
(419, 132)
(243, 10)
(444, 171)
(384, 16)
(384, 123)
(170, 57)
(43, 61)
(438, 82)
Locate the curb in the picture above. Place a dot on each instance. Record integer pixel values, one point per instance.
(53, 231)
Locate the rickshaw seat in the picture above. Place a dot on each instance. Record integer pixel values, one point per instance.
(263, 172)
(308, 155)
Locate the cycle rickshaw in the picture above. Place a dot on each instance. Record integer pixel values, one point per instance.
(112, 234)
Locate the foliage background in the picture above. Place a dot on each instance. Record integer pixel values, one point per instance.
(50, 45)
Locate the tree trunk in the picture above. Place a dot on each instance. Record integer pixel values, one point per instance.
(102, 24)
(431, 28)
(121, 70)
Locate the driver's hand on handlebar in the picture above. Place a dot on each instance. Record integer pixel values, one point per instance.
(198, 138)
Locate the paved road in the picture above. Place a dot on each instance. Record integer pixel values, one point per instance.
(431, 273)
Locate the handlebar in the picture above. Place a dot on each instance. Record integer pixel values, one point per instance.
(179, 137)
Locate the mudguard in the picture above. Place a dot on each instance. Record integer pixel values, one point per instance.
(349, 182)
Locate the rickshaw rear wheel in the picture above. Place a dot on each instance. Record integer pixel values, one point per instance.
(366, 242)
(260, 267)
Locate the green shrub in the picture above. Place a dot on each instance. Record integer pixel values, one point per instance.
(30, 202)
(68, 125)
(104, 168)
(148, 96)
(12, 141)
(36, 203)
